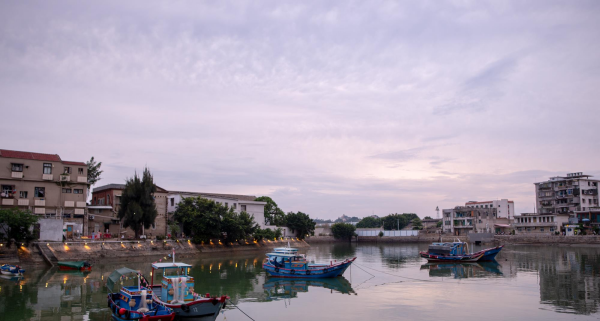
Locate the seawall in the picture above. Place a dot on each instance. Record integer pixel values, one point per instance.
(547, 239)
(426, 238)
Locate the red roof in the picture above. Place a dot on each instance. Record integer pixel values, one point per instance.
(29, 155)
(74, 163)
(485, 202)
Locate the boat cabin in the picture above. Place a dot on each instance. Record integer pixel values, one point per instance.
(176, 285)
(135, 298)
(288, 261)
(448, 249)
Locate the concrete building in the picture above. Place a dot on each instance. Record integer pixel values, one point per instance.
(238, 202)
(565, 195)
(504, 207)
(105, 204)
(478, 217)
(47, 186)
(539, 223)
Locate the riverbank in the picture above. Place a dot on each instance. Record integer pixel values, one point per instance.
(547, 239)
(51, 252)
(422, 238)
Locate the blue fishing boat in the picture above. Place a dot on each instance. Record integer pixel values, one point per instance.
(134, 302)
(288, 263)
(13, 270)
(456, 252)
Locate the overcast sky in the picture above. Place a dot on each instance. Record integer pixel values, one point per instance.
(329, 107)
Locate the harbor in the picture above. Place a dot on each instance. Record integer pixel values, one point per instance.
(534, 282)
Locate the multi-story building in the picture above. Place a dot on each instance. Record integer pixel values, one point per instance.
(106, 201)
(239, 203)
(478, 217)
(45, 185)
(565, 195)
(539, 223)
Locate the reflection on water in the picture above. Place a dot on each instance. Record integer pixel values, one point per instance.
(546, 279)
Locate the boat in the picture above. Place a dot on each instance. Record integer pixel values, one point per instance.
(456, 252)
(134, 302)
(75, 265)
(176, 291)
(463, 270)
(288, 263)
(286, 288)
(13, 270)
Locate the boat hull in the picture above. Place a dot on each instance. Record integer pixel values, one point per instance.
(201, 309)
(483, 255)
(115, 305)
(329, 271)
(11, 270)
(68, 268)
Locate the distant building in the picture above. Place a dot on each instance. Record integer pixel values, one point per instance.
(478, 217)
(539, 223)
(47, 186)
(504, 207)
(566, 195)
(239, 203)
(105, 204)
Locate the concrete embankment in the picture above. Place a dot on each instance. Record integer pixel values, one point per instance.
(425, 238)
(547, 239)
(52, 252)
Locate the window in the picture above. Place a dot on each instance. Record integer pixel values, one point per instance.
(583, 200)
(80, 171)
(7, 190)
(243, 207)
(47, 168)
(17, 167)
(67, 170)
(77, 191)
(108, 199)
(541, 229)
(23, 194)
(66, 190)
(447, 222)
(39, 192)
(234, 205)
(172, 201)
(226, 204)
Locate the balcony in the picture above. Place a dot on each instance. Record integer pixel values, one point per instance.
(65, 178)
(69, 204)
(40, 203)
(81, 179)
(23, 202)
(16, 175)
(47, 177)
(39, 210)
(8, 201)
(79, 211)
(80, 204)
(536, 224)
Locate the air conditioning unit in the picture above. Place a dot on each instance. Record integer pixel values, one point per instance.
(64, 178)
(91, 217)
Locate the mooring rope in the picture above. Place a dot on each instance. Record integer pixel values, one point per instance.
(396, 275)
(249, 317)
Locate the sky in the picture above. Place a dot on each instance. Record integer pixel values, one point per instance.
(328, 107)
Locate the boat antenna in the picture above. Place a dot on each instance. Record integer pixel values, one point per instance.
(173, 255)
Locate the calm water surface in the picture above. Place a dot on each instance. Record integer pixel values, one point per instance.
(387, 282)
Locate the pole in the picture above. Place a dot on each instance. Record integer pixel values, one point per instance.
(398, 224)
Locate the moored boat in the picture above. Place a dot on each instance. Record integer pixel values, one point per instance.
(456, 252)
(13, 270)
(287, 263)
(74, 265)
(177, 292)
(134, 302)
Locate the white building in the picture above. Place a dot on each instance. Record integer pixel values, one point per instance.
(565, 195)
(539, 223)
(504, 207)
(239, 203)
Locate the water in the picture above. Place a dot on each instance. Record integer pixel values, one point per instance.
(387, 282)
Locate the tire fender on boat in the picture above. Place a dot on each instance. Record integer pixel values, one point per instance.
(293, 271)
(185, 308)
(277, 269)
(307, 272)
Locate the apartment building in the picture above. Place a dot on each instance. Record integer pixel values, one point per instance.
(504, 207)
(478, 217)
(105, 204)
(239, 203)
(538, 223)
(45, 185)
(565, 195)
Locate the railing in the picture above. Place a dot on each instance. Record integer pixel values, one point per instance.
(79, 211)
(23, 202)
(47, 177)
(69, 204)
(534, 224)
(81, 179)
(8, 201)
(39, 210)
(80, 204)
(40, 203)
(16, 175)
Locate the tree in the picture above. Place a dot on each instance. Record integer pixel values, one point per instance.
(417, 224)
(273, 214)
(236, 226)
(16, 224)
(200, 218)
(300, 223)
(394, 222)
(137, 203)
(438, 224)
(267, 233)
(427, 218)
(343, 231)
(369, 222)
(93, 174)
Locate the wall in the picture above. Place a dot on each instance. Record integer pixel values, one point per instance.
(51, 229)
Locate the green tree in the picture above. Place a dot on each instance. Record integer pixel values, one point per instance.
(417, 224)
(200, 218)
(236, 226)
(438, 224)
(137, 203)
(343, 231)
(369, 222)
(300, 223)
(16, 224)
(93, 174)
(427, 218)
(267, 234)
(273, 214)
(395, 222)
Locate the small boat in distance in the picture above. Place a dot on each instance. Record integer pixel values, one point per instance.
(286, 262)
(456, 252)
(75, 265)
(13, 270)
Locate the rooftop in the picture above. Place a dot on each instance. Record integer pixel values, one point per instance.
(232, 196)
(121, 187)
(29, 155)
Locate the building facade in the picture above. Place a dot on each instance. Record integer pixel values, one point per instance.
(239, 203)
(47, 186)
(504, 207)
(105, 204)
(478, 217)
(565, 195)
(539, 223)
